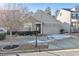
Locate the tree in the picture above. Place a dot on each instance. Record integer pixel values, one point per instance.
(15, 16)
(57, 12)
(48, 10)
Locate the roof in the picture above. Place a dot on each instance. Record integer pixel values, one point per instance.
(31, 19)
(67, 9)
(45, 18)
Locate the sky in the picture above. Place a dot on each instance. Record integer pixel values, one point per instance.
(54, 6)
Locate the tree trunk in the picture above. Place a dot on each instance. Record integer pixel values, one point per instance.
(10, 34)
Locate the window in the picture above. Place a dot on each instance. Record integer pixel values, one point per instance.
(73, 24)
(73, 16)
(28, 26)
(78, 16)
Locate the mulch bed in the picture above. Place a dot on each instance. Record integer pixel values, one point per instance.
(29, 46)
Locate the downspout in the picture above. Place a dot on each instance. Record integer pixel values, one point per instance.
(70, 23)
(41, 26)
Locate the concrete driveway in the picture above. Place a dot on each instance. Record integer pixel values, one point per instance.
(68, 43)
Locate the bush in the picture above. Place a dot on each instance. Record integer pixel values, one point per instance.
(2, 36)
(61, 31)
(23, 33)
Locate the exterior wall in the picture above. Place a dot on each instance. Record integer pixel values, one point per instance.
(30, 21)
(51, 28)
(75, 27)
(74, 20)
(65, 17)
(32, 28)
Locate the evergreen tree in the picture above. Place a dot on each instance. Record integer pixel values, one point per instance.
(48, 10)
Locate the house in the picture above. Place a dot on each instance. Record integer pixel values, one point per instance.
(16, 20)
(48, 24)
(30, 24)
(39, 21)
(69, 18)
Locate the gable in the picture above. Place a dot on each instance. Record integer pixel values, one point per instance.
(45, 18)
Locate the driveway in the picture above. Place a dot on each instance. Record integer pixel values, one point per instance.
(67, 43)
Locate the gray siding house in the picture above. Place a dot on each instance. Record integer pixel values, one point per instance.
(48, 23)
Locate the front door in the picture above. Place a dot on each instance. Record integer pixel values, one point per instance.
(38, 28)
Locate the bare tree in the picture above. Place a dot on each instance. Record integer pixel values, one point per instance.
(15, 16)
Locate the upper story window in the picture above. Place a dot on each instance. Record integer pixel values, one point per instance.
(75, 15)
(78, 16)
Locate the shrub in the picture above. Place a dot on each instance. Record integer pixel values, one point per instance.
(2, 36)
(61, 31)
(23, 33)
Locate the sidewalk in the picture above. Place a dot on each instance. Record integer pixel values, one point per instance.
(69, 52)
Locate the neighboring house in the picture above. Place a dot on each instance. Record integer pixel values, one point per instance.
(49, 24)
(69, 18)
